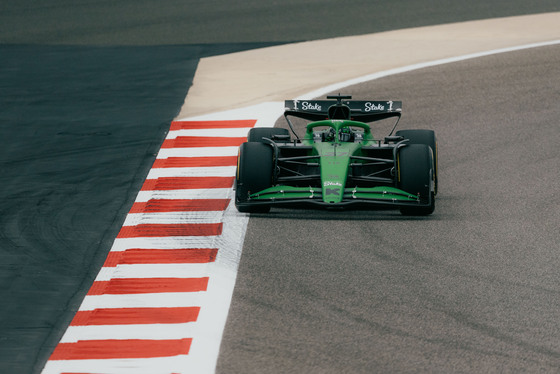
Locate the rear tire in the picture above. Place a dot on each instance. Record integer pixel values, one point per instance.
(257, 134)
(427, 137)
(415, 176)
(254, 173)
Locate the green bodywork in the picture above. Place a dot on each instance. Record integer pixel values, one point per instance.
(334, 158)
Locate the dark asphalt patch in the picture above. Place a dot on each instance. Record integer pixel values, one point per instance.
(80, 129)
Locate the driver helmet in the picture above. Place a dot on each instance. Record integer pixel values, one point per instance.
(345, 134)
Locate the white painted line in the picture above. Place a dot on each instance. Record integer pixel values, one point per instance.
(210, 193)
(196, 270)
(120, 332)
(169, 242)
(160, 365)
(133, 219)
(215, 171)
(147, 300)
(217, 133)
(366, 78)
(197, 152)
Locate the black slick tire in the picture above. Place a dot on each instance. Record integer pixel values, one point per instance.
(427, 137)
(254, 173)
(415, 176)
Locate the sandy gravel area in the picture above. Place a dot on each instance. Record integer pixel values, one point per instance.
(288, 71)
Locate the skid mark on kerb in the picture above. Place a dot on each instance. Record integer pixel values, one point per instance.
(159, 303)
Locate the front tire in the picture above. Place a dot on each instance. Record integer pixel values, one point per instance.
(254, 173)
(427, 137)
(415, 176)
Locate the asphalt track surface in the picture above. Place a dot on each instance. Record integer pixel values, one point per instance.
(145, 22)
(80, 127)
(472, 288)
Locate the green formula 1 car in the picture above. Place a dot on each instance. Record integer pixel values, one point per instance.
(338, 162)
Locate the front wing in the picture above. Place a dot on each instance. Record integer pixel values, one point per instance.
(381, 196)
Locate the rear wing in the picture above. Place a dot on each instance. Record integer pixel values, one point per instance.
(360, 110)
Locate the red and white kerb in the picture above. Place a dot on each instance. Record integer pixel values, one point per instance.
(160, 301)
